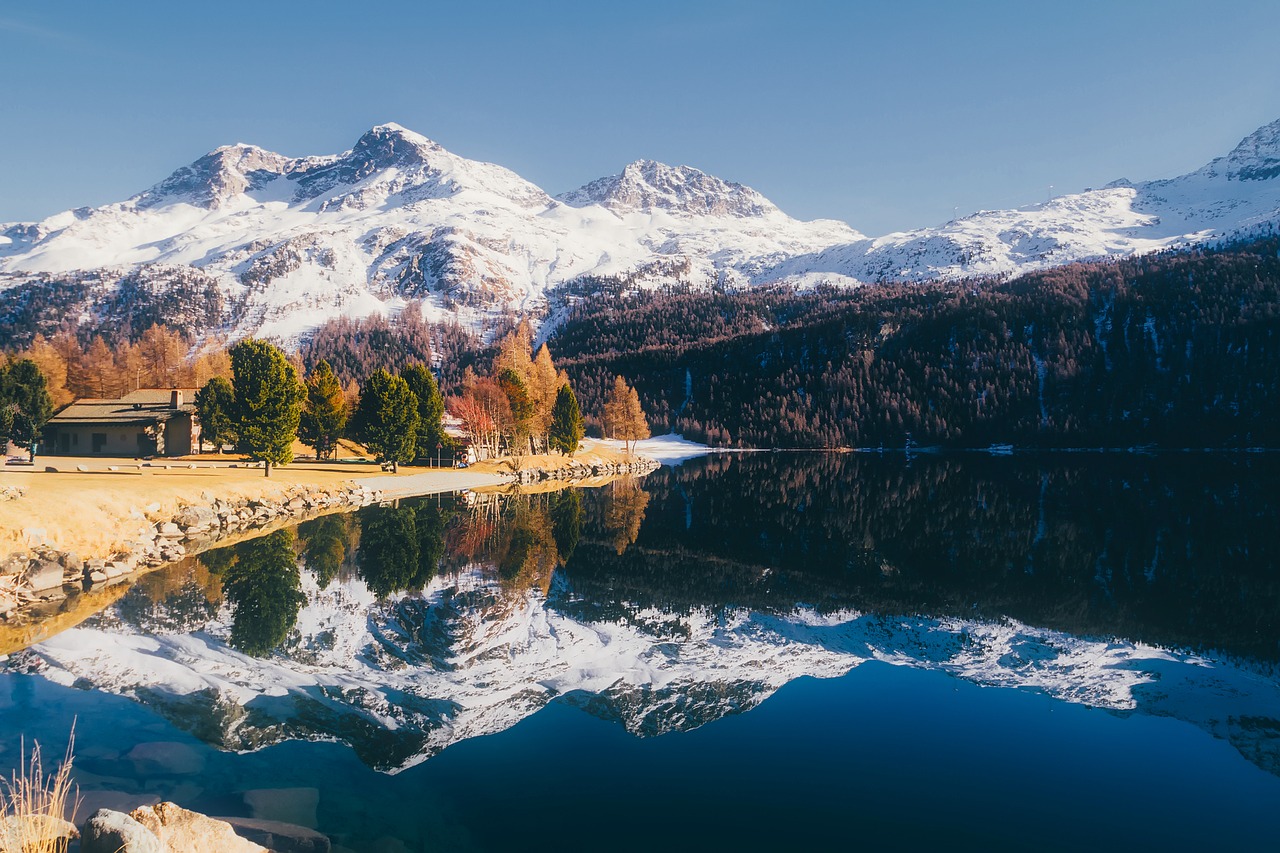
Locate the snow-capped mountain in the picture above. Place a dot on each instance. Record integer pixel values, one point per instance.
(400, 681)
(247, 241)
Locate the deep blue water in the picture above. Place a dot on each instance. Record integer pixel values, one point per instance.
(914, 756)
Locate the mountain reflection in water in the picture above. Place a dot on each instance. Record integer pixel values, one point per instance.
(1135, 584)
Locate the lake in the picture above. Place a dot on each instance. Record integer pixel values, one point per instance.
(747, 651)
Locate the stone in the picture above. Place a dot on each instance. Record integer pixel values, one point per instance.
(117, 568)
(166, 757)
(83, 469)
(279, 836)
(19, 832)
(45, 575)
(191, 832)
(108, 831)
(168, 530)
(287, 805)
(195, 516)
(98, 577)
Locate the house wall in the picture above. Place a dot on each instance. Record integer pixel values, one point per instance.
(77, 440)
(180, 435)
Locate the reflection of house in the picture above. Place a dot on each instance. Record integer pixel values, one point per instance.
(148, 422)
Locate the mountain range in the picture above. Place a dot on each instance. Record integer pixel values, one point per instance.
(245, 241)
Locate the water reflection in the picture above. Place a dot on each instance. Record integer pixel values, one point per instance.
(1134, 584)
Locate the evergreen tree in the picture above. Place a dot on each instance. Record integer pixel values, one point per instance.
(268, 402)
(386, 419)
(324, 416)
(431, 435)
(24, 400)
(522, 410)
(566, 422)
(215, 403)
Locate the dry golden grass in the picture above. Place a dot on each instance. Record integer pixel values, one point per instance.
(590, 453)
(97, 512)
(33, 805)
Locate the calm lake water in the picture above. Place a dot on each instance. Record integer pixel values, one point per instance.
(767, 651)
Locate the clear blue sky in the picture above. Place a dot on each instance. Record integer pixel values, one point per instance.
(887, 115)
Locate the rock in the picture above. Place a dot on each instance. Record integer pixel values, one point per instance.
(169, 530)
(280, 837)
(191, 832)
(167, 757)
(195, 516)
(287, 805)
(45, 575)
(21, 832)
(112, 832)
(117, 568)
(98, 577)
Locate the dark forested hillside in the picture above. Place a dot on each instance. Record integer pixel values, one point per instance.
(1175, 349)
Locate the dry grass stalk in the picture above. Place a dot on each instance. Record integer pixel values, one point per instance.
(33, 805)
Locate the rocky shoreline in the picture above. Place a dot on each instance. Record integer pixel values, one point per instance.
(44, 574)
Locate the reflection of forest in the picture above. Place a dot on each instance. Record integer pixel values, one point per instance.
(1176, 550)
(1180, 550)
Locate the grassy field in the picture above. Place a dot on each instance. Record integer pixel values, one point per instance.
(94, 512)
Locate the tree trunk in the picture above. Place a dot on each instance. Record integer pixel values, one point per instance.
(266, 468)
(395, 467)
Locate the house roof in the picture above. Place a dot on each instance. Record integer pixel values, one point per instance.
(144, 406)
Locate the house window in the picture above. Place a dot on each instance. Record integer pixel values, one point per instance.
(99, 441)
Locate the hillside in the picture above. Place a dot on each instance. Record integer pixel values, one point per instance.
(245, 241)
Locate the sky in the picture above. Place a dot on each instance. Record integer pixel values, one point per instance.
(887, 115)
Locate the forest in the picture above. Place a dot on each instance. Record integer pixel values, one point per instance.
(1174, 349)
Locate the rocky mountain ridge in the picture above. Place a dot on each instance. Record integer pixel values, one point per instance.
(245, 241)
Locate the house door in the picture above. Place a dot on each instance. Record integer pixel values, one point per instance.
(99, 441)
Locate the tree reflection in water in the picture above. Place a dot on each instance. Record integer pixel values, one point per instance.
(264, 588)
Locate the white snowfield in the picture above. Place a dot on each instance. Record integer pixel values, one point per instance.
(291, 242)
(408, 677)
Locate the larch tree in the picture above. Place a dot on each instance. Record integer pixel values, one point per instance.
(386, 419)
(268, 402)
(623, 416)
(567, 427)
(215, 405)
(163, 353)
(324, 414)
(431, 435)
(54, 367)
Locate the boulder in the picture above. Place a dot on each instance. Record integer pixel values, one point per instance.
(166, 757)
(279, 836)
(195, 516)
(169, 530)
(191, 832)
(26, 832)
(113, 832)
(44, 575)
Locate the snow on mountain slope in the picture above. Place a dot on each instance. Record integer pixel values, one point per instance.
(402, 680)
(1236, 193)
(291, 242)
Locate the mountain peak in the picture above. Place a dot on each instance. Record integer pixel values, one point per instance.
(1257, 157)
(648, 186)
(221, 174)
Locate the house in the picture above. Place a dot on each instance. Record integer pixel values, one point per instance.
(147, 422)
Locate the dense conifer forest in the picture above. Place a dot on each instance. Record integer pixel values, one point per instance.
(1175, 349)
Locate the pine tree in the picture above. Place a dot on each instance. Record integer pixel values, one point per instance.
(566, 422)
(431, 435)
(387, 418)
(215, 403)
(268, 402)
(324, 416)
(522, 411)
(24, 399)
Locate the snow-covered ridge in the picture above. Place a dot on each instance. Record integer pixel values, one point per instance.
(409, 677)
(292, 242)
